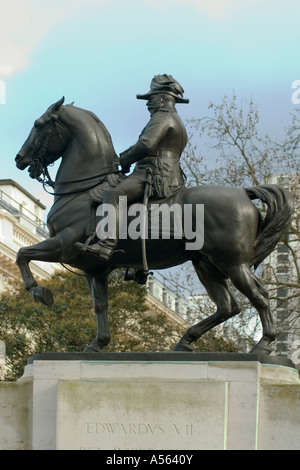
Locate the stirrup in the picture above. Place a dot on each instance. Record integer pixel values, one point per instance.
(137, 275)
(105, 252)
(99, 250)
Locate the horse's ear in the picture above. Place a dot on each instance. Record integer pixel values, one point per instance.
(58, 104)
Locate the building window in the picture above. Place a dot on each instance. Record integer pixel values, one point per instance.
(282, 258)
(283, 249)
(282, 269)
(282, 292)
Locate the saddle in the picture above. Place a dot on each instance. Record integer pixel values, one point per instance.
(96, 193)
(96, 198)
(112, 180)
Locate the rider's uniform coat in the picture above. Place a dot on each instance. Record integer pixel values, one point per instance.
(159, 147)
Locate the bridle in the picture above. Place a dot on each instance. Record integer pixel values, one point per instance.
(39, 162)
(39, 154)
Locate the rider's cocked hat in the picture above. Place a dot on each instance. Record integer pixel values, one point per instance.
(165, 84)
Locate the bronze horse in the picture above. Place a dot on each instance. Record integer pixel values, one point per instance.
(236, 236)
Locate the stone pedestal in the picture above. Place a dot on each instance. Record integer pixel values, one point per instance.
(124, 401)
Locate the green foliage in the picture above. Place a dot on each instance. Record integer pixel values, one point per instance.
(29, 328)
(134, 326)
(212, 342)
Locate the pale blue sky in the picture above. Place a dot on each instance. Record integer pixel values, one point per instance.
(101, 53)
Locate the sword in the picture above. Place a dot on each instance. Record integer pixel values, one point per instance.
(140, 276)
(147, 194)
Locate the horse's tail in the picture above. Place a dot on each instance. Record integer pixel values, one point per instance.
(271, 228)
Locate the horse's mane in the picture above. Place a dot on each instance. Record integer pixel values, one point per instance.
(71, 105)
(98, 124)
(93, 116)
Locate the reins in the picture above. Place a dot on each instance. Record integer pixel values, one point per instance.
(49, 182)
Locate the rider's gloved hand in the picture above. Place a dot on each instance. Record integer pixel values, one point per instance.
(124, 163)
(135, 153)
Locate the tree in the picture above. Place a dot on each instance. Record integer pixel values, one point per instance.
(236, 154)
(69, 325)
(240, 155)
(29, 328)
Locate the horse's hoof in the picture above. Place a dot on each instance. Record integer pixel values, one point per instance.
(95, 347)
(42, 294)
(185, 347)
(262, 347)
(92, 349)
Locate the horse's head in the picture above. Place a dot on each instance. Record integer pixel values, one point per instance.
(45, 143)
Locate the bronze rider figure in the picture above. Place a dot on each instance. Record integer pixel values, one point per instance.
(159, 148)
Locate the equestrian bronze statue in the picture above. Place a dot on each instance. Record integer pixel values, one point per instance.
(236, 236)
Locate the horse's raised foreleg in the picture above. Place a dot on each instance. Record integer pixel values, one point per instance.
(216, 286)
(99, 291)
(49, 250)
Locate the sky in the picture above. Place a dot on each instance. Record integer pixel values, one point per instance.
(101, 53)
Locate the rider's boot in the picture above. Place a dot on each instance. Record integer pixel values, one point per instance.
(105, 248)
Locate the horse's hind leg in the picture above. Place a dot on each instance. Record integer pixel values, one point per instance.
(245, 281)
(48, 250)
(216, 285)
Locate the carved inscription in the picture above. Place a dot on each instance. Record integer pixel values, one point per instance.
(125, 415)
(127, 429)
